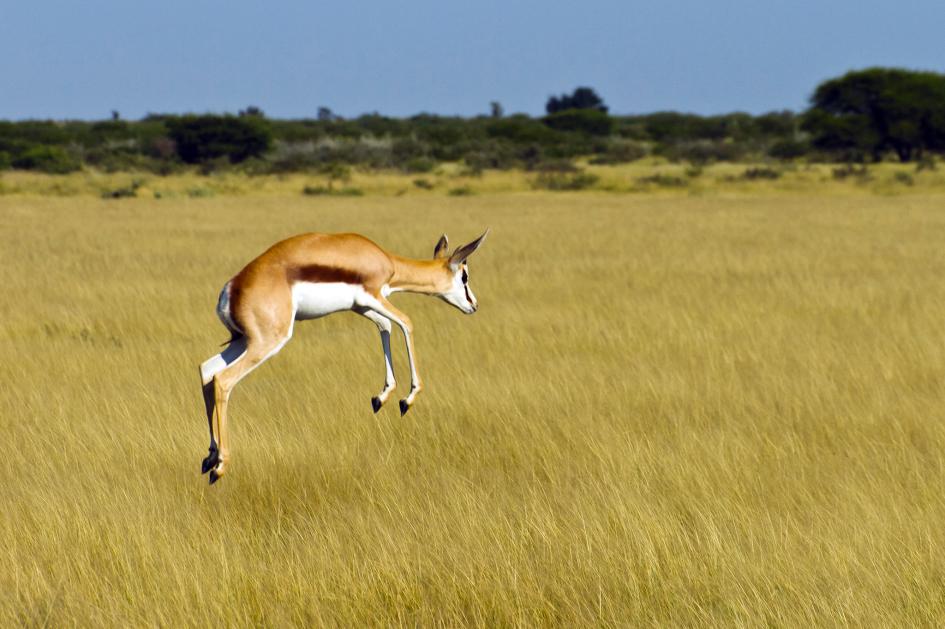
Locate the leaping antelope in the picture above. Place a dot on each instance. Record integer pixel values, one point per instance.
(310, 276)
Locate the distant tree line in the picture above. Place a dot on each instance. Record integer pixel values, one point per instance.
(867, 115)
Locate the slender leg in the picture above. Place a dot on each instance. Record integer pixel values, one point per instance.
(258, 350)
(380, 305)
(210, 368)
(384, 327)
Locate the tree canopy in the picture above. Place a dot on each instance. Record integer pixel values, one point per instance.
(581, 98)
(871, 112)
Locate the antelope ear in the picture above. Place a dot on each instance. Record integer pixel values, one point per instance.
(442, 246)
(459, 256)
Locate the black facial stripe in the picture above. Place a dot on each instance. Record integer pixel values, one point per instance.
(465, 276)
(468, 298)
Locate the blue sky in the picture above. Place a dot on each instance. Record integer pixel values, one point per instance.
(68, 59)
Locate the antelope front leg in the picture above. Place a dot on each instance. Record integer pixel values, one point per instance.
(388, 310)
(384, 327)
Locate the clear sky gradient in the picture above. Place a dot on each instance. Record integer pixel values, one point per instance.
(69, 59)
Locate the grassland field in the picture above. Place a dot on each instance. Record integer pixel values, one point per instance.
(714, 404)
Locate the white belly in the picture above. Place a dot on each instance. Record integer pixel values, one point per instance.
(317, 299)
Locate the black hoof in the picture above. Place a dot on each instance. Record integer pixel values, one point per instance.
(210, 462)
(404, 407)
(376, 403)
(214, 477)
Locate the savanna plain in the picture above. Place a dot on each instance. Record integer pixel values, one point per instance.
(713, 406)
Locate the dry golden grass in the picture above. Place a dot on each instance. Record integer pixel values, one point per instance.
(721, 409)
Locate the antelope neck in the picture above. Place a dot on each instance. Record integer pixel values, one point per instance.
(416, 276)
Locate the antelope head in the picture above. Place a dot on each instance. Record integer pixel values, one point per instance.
(454, 288)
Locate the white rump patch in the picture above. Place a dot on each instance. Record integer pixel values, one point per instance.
(317, 299)
(223, 309)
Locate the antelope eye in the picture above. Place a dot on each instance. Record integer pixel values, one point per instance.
(465, 276)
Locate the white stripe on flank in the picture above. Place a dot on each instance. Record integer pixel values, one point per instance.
(317, 299)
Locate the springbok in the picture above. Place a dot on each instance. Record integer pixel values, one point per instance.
(310, 276)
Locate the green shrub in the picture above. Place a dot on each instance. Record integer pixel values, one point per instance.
(47, 159)
(493, 154)
(859, 172)
(664, 181)
(560, 181)
(554, 166)
(788, 149)
(423, 184)
(113, 160)
(128, 191)
(586, 121)
(926, 162)
(521, 129)
(461, 191)
(904, 178)
(760, 172)
(200, 139)
(220, 164)
(405, 149)
(105, 131)
(336, 171)
(200, 193)
(313, 191)
(419, 165)
(702, 151)
(620, 152)
(349, 192)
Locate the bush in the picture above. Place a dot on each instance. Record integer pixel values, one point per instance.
(329, 191)
(761, 172)
(311, 191)
(861, 173)
(128, 191)
(492, 155)
(702, 151)
(521, 130)
(586, 121)
(124, 160)
(904, 178)
(419, 165)
(926, 162)
(554, 166)
(216, 165)
(664, 181)
(560, 181)
(200, 193)
(788, 149)
(47, 159)
(620, 152)
(461, 191)
(109, 131)
(201, 139)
